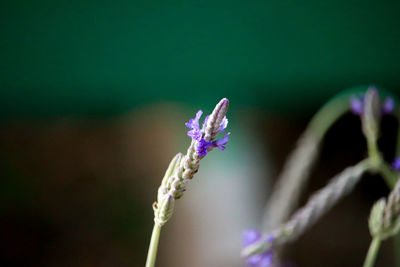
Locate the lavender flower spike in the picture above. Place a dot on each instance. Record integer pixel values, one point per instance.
(216, 120)
(213, 124)
(183, 167)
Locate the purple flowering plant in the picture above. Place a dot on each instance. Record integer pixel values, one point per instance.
(183, 168)
(281, 225)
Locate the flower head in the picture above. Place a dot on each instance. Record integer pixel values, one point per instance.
(264, 259)
(183, 167)
(357, 105)
(218, 121)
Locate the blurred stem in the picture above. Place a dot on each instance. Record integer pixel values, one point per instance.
(152, 254)
(330, 113)
(388, 174)
(396, 238)
(390, 178)
(373, 152)
(294, 176)
(372, 252)
(379, 165)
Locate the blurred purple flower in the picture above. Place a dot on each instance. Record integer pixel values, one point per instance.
(196, 134)
(264, 259)
(396, 164)
(388, 106)
(357, 105)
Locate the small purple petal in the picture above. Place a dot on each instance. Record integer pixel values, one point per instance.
(356, 105)
(220, 143)
(266, 259)
(388, 106)
(195, 134)
(396, 164)
(202, 147)
(250, 236)
(270, 238)
(224, 123)
(194, 123)
(254, 260)
(260, 260)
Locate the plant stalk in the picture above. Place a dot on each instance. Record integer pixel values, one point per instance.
(152, 254)
(372, 252)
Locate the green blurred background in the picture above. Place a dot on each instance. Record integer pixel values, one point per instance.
(105, 57)
(93, 96)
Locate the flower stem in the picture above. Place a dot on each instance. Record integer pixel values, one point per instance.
(388, 175)
(152, 254)
(372, 252)
(396, 241)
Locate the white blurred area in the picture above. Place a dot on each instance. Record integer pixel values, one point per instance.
(226, 196)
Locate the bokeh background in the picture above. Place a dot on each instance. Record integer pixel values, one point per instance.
(93, 100)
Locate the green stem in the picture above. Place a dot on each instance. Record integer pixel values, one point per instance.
(373, 152)
(372, 252)
(152, 254)
(388, 174)
(396, 238)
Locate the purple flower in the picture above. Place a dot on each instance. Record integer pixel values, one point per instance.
(250, 236)
(197, 134)
(388, 106)
(264, 259)
(220, 143)
(224, 123)
(202, 147)
(396, 164)
(193, 124)
(357, 105)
